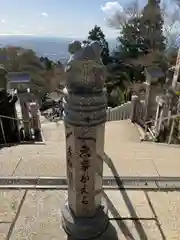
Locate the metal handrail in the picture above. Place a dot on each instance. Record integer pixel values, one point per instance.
(156, 120)
(3, 133)
(164, 118)
(151, 132)
(1, 125)
(16, 119)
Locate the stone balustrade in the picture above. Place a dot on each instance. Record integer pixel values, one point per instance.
(133, 110)
(121, 112)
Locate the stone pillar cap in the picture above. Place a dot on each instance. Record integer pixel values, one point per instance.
(84, 52)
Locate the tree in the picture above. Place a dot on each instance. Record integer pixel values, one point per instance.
(131, 41)
(44, 76)
(171, 21)
(121, 17)
(171, 18)
(48, 63)
(143, 33)
(177, 3)
(151, 26)
(96, 34)
(117, 80)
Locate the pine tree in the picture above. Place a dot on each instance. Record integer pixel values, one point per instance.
(96, 34)
(151, 26)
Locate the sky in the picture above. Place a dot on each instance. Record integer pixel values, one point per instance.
(61, 18)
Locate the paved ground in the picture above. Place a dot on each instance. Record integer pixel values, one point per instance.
(31, 215)
(125, 155)
(36, 215)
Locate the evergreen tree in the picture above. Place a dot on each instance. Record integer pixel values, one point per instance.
(131, 41)
(96, 34)
(48, 63)
(151, 26)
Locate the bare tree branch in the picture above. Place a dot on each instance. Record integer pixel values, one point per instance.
(119, 19)
(177, 2)
(133, 10)
(171, 21)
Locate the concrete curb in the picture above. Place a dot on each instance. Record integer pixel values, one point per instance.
(111, 183)
(42, 137)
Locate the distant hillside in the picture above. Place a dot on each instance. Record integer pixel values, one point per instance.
(52, 47)
(45, 75)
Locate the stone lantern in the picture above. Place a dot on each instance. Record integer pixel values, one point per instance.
(3, 78)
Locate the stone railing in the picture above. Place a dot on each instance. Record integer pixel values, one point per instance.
(133, 110)
(120, 112)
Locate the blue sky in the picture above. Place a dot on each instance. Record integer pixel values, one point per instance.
(62, 18)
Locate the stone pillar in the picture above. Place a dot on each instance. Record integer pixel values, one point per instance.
(3, 87)
(36, 125)
(3, 78)
(2, 131)
(147, 101)
(160, 119)
(84, 215)
(176, 72)
(23, 99)
(134, 101)
(176, 89)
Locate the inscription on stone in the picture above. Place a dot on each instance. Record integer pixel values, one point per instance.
(85, 69)
(87, 138)
(84, 155)
(87, 72)
(69, 165)
(69, 156)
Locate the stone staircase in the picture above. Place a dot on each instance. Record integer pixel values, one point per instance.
(125, 130)
(53, 131)
(129, 156)
(49, 158)
(37, 213)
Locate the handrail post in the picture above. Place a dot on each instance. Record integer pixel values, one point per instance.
(2, 129)
(157, 117)
(160, 120)
(171, 132)
(134, 101)
(36, 125)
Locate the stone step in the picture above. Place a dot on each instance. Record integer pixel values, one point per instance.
(125, 130)
(125, 155)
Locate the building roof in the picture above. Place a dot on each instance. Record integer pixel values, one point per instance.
(19, 77)
(154, 72)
